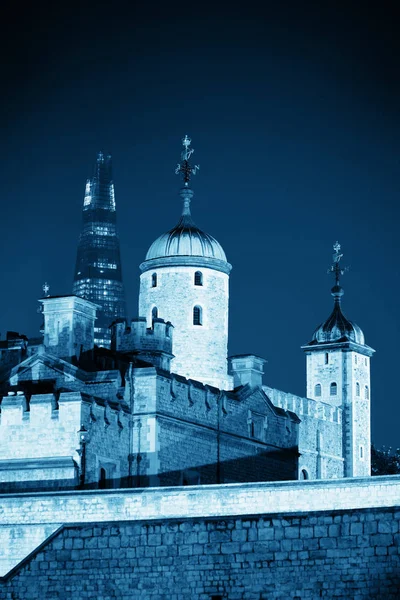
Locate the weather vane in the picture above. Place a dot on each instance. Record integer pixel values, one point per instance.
(46, 289)
(335, 268)
(184, 167)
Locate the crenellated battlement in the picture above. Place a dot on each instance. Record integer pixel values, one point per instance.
(151, 344)
(304, 406)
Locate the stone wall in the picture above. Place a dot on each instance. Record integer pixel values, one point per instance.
(39, 440)
(201, 436)
(336, 553)
(26, 520)
(320, 434)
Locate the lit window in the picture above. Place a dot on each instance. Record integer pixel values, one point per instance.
(317, 390)
(326, 358)
(197, 316)
(357, 389)
(366, 392)
(198, 278)
(334, 389)
(154, 280)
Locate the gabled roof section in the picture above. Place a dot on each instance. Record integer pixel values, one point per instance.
(258, 396)
(44, 366)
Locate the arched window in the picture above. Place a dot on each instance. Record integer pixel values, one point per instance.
(317, 390)
(198, 278)
(333, 389)
(326, 358)
(102, 478)
(366, 392)
(357, 389)
(154, 313)
(304, 475)
(154, 280)
(197, 316)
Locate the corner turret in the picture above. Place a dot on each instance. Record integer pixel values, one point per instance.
(338, 373)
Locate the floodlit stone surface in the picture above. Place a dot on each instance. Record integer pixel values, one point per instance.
(240, 541)
(19, 512)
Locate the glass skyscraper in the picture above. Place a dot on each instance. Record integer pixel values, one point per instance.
(98, 274)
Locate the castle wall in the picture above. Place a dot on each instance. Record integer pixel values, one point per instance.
(241, 541)
(203, 436)
(320, 434)
(200, 350)
(44, 431)
(341, 554)
(35, 437)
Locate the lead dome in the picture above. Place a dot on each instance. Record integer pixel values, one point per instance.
(186, 239)
(337, 328)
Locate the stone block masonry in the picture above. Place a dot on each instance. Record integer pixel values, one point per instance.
(331, 554)
(26, 520)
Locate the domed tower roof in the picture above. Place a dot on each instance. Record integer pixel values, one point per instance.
(186, 244)
(186, 239)
(337, 328)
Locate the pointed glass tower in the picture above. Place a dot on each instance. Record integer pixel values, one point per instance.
(98, 275)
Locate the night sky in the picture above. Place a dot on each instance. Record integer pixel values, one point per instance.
(294, 116)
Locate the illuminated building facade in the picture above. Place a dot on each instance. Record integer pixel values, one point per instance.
(98, 274)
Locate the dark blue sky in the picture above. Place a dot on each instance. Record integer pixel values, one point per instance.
(294, 117)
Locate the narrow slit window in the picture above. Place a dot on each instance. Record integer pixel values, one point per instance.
(317, 390)
(154, 280)
(361, 452)
(366, 392)
(333, 389)
(198, 278)
(357, 389)
(197, 316)
(326, 358)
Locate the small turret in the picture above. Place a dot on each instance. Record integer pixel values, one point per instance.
(68, 325)
(151, 344)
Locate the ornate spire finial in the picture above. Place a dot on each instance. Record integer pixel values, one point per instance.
(185, 167)
(337, 270)
(46, 289)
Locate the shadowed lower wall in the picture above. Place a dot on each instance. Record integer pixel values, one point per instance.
(340, 554)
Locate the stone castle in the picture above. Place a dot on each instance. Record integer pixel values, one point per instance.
(164, 405)
(154, 410)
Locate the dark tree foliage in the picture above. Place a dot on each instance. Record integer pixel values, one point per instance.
(384, 461)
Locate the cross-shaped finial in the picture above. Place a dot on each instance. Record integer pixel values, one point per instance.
(184, 167)
(335, 268)
(46, 289)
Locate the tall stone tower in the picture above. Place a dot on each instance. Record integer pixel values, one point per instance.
(338, 373)
(185, 280)
(98, 275)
